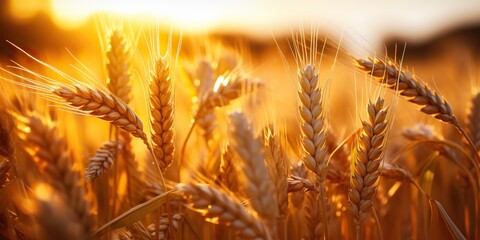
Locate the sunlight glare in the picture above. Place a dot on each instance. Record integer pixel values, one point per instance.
(190, 15)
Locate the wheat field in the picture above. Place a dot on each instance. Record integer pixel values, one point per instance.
(165, 136)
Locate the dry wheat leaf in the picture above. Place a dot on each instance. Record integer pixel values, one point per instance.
(134, 214)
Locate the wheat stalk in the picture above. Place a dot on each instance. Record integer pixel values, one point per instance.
(103, 159)
(224, 209)
(391, 171)
(257, 183)
(161, 106)
(313, 215)
(47, 148)
(369, 152)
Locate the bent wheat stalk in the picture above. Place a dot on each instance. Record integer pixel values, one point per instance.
(415, 91)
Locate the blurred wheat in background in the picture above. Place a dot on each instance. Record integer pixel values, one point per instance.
(161, 121)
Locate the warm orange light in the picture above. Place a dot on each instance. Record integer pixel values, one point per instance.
(21, 10)
(43, 192)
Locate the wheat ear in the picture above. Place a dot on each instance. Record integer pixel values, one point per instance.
(47, 148)
(163, 226)
(102, 160)
(259, 187)
(277, 163)
(161, 107)
(313, 122)
(226, 89)
(224, 209)
(296, 183)
(368, 156)
(228, 175)
(299, 170)
(414, 91)
(119, 57)
(118, 65)
(103, 105)
(314, 145)
(138, 231)
(473, 125)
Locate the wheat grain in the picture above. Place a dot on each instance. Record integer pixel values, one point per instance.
(161, 106)
(369, 151)
(102, 160)
(224, 209)
(296, 183)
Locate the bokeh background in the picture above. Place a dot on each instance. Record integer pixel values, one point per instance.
(438, 40)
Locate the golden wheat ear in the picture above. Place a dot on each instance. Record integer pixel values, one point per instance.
(369, 152)
(162, 114)
(313, 122)
(277, 165)
(102, 160)
(118, 65)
